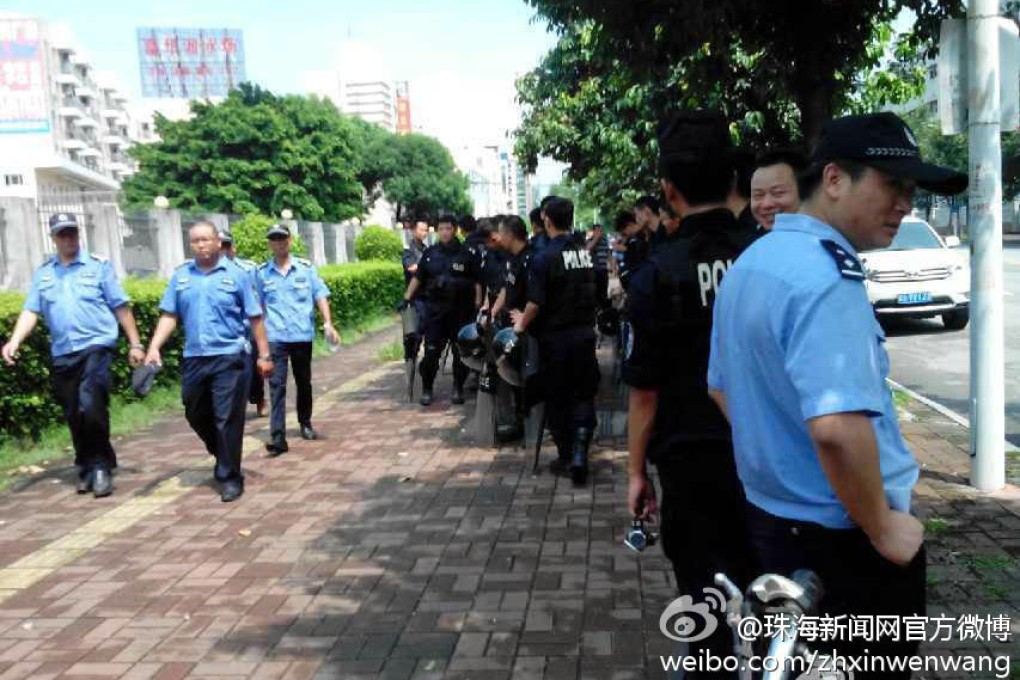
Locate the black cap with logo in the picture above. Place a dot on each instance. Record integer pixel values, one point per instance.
(278, 230)
(884, 142)
(61, 221)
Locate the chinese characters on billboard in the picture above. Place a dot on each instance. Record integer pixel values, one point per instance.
(403, 109)
(185, 63)
(22, 87)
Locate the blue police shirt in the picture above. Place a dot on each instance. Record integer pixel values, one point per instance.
(213, 307)
(794, 337)
(250, 268)
(77, 302)
(290, 299)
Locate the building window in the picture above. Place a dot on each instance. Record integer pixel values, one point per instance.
(13, 180)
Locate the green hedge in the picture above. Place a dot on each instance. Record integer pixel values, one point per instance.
(378, 243)
(358, 291)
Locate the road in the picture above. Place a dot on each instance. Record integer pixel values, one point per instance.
(936, 363)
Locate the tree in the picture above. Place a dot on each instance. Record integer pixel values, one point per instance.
(375, 158)
(426, 183)
(810, 50)
(253, 152)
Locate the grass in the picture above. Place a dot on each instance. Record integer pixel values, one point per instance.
(393, 351)
(901, 399)
(989, 563)
(18, 458)
(54, 445)
(935, 525)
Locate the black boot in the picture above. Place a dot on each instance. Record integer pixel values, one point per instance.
(458, 395)
(579, 460)
(561, 466)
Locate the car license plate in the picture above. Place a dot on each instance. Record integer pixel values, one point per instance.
(914, 298)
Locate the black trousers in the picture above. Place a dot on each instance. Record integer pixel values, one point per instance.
(257, 386)
(300, 356)
(570, 379)
(214, 391)
(857, 580)
(440, 326)
(81, 384)
(703, 528)
(412, 341)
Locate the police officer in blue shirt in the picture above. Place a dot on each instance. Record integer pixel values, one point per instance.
(672, 421)
(291, 290)
(78, 295)
(212, 297)
(257, 388)
(799, 363)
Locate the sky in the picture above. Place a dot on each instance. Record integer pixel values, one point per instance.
(460, 56)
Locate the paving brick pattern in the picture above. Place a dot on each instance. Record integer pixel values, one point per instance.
(395, 548)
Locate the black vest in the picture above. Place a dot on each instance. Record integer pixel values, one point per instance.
(688, 272)
(570, 289)
(449, 273)
(517, 279)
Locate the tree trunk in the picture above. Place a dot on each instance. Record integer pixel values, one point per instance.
(814, 100)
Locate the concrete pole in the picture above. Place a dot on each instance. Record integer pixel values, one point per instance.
(987, 387)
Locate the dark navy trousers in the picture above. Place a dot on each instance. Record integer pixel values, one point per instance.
(81, 384)
(214, 391)
(300, 356)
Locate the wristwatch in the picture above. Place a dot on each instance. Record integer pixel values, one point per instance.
(265, 357)
(138, 345)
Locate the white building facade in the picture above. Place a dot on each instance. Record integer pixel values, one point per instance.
(64, 129)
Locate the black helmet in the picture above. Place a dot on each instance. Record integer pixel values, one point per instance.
(608, 321)
(471, 346)
(509, 351)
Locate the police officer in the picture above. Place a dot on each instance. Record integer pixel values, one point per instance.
(415, 250)
(514, 295)
(81, 300)
(539, 239)
(291, 290)
(493, 268)
(560, 314)
(212, 296)
(633, 247)
(799, 363)
(447, 278)
(673, 423)
(257, 388)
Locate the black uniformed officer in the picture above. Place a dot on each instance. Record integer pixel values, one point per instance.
(633, 247)
(212, 296)
(672, 421)
(81, 300)
(539, 239)
(494, 263)
(410, 259)
(560, 314)
(514, 296)
(447, 278)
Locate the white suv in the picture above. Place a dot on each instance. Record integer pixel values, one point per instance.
(920, 275)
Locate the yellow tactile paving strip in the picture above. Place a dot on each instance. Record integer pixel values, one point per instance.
(36, 566)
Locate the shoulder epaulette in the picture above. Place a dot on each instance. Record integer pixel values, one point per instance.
(849, 266)
(98, 258)
(186, 263)
(263, 265)
(301, 260)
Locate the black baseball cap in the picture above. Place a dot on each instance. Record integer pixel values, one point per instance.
(61, 221)
(690, 136)
(884, 142)
(278, 230)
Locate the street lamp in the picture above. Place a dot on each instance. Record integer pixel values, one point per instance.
(286, 214)
(161, 202)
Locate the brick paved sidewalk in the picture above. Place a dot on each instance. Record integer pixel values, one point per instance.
(391, 548)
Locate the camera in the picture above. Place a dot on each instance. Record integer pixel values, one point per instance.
(637, 538)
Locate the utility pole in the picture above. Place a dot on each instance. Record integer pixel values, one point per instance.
(984, 215)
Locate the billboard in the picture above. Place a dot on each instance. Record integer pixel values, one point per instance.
(403, 109)
(22, 84)
(188, 63)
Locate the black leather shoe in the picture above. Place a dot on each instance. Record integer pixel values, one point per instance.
(458, 396)
(102, 484)
(84, 484)
(231, 491)
(277, 446)
(307, 432)
(426, 398)
(560, 466)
